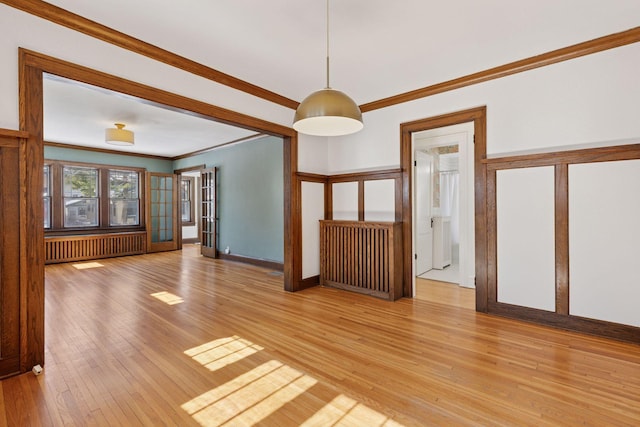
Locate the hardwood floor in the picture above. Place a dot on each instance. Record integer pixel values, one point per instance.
(445, 293)
(176, 339)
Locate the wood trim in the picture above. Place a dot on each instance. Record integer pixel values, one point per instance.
(32, 230)
(571, 323)
(492, 244)
(312, 177)
(570, 52)
(14, 133)
(190, 240)
(365, 175)
(103, 150)
(328, 201)
(207, 150)
(361, 200)
(310, 282)
(148, 94)
(190, 169)
(478, 116)
(562, 238)
(292, 216)
(91, 28)
(265, 263)
(586, 155)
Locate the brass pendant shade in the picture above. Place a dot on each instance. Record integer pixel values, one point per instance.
(118, 136)
(328, 112)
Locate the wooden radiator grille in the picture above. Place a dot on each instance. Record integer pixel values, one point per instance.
(95, 246)
(362, 256)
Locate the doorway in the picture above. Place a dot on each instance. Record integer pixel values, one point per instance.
(441, 131)
(446, 193)
(33, 66)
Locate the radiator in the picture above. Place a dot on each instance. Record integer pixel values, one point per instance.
(361, 256)
(95, 246)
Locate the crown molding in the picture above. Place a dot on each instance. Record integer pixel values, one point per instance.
(564, 54)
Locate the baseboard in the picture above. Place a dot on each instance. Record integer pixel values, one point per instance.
(309, 282)
(273, 265)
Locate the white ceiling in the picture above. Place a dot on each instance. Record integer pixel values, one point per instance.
(78, 114)
(379, 48)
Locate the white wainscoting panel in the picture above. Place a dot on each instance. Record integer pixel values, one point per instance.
(379, 200)
(604, 241)
(525, 237)
(312, 213)
(345, 201)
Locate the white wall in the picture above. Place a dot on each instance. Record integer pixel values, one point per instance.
(586, 100)
(20, 29)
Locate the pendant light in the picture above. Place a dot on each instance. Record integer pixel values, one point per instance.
(118, 136)
(328, 112)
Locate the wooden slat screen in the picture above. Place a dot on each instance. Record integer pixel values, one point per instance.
(77, 248)
(362, 256)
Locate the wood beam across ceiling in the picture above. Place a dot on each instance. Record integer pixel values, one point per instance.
(94, 29)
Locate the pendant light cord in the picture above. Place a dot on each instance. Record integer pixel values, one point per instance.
(328, 87)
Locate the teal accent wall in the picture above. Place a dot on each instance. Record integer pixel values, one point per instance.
(250, 196)
(75, 155)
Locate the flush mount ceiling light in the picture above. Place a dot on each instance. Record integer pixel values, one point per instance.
(328, 112)
(118, 136)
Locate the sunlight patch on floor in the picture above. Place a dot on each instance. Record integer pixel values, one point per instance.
(250, 397)
(168, 298)
(222, 352)
(258, 393)
(87, 265)
(344, 411)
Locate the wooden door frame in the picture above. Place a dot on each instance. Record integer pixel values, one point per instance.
(479, 118)
(32, 66)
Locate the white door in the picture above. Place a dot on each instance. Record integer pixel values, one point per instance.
(422, 203)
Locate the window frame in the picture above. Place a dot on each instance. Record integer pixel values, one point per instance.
(192, 205)
(47, 198)
(56, 189)
(128, 199)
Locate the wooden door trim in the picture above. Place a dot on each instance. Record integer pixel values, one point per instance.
(479, 118)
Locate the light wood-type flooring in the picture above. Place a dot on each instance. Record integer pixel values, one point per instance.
(177, 339)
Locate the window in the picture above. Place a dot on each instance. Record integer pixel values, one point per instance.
(80, 191)
(83, 198)
(187, 202)
(124, 201)
(46, 195)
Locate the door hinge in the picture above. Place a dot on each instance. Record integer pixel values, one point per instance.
(415, 163)
(415, 256)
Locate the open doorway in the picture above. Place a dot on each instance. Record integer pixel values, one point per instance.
(443, 207)
(443, 203)
(471, 193)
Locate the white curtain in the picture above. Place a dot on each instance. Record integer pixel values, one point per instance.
(449, 204)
